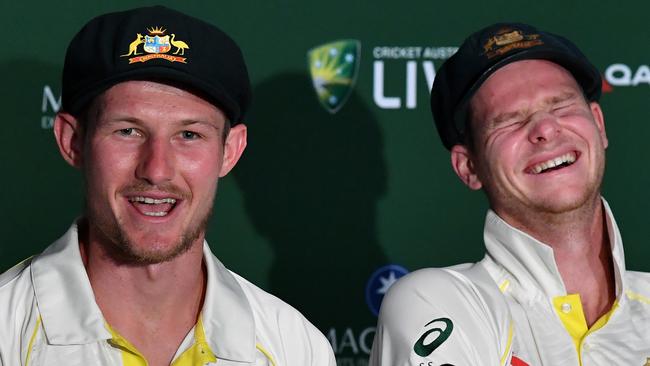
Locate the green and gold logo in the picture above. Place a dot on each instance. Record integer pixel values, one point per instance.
(334, 67)
(424, 345)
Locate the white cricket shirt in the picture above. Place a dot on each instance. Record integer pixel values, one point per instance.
(511, 309)
(49, 317)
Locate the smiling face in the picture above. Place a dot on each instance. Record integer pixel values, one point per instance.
(537, 144)
(151, 160)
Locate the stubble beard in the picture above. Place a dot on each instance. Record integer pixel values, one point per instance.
(549, 210)
(589, 198)
(122, 249)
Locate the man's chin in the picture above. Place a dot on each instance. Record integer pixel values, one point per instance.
(151, 248)
(155, 257)
(565, 202)
(129, 244)
(153, 253)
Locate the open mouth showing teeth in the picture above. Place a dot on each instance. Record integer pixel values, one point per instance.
(554, 164)
(152, 206)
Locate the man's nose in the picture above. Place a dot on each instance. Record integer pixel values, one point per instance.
(544, 127)
(156, 161)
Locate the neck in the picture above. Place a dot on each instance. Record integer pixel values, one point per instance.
(574, 230)
(142, 300)
(582, 251)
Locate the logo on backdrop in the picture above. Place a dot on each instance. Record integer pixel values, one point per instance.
(625, 75)
(334, 67)
(379, 283)
(156, 44)
(50, 105)
(402, 75)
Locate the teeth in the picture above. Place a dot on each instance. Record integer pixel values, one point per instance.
(162, 213)
(551, 163)
(150, 201)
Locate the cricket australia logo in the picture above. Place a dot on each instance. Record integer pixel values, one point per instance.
(156, 44)
(334, 67)
(428, 342)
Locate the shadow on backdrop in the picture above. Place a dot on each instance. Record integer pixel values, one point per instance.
(40, 194)
(311, 182)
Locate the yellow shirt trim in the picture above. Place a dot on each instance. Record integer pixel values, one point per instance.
(130, 355)
(638, 297)
(569, 309)
(504, 285)
(31, 340)
(508, 345)
(199, 353)
(266, 353)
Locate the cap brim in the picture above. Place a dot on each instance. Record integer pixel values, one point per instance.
(573, 65)
(214, 92)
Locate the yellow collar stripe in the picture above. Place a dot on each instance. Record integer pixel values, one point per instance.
(199, 353)
(569, 310)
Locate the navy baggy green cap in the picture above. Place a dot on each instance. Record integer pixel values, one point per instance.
(159, 44)
(486, 51)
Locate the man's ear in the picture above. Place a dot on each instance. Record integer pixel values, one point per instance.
(461, 161)
(69, 137)
(233, 148)
(597, 112)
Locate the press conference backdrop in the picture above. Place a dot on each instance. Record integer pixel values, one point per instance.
(337, 194)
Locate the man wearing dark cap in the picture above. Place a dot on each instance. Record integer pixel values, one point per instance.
(518, 109)
(153, 103)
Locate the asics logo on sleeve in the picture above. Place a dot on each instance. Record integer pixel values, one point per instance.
(444, 327)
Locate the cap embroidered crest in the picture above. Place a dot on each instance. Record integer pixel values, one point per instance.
(486, 51)
(508, 39)
(156, 44)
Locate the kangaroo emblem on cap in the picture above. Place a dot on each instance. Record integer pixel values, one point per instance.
(133, 47)
(508, 39)
(156, 43)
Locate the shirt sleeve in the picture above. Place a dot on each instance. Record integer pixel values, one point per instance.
(435, 317)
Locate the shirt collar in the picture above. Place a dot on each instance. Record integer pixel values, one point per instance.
(70, 315)
(531, 265)
(227, 314)
(64, 296)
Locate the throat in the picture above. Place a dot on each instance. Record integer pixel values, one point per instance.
(589, 273)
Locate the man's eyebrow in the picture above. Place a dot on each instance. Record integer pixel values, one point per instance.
(137, 121)
(188, 122)
(120, 118)
(560, 98)
(505, 116)
(555, 99)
